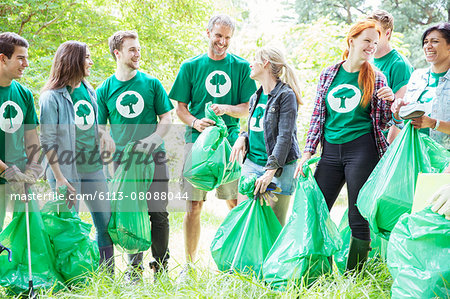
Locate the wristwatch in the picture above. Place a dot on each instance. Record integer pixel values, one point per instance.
(437, 125)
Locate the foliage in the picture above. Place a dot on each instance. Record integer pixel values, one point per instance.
(169, 32)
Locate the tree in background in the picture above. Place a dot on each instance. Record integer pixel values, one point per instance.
(169, 32)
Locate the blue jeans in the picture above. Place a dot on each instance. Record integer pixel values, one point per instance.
(90, 183)
(286, 181)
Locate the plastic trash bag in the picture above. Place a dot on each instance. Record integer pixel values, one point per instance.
(418, 256)
(246, 235)
(389, 190)
(14, 275)
(76, 254)
(207, 165)
(129, 226)
(308, 238)
(378, 244)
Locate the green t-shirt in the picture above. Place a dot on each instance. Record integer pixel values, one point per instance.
(87, 152)
(17, 115)
(257, 152)
(346, 119)
(202, 80)
(396, 68)
(131, 107)
(429, 94)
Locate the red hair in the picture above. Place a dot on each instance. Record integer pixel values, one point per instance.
(366, 78)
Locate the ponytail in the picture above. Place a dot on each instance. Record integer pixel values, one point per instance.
(290, 78)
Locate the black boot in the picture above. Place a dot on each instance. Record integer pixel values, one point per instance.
(159, 268)
(357, 254)
(107, 258)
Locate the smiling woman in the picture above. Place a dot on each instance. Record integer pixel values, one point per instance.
(431, 86)
(69, 129)
(352, 107)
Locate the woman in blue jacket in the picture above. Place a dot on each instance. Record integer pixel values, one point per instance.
(70, 138)
(270, 145)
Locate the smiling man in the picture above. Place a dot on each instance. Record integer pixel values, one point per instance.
(18, 122)
(138, 110)
(223, 79)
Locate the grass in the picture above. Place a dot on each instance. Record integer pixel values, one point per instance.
(374, 282)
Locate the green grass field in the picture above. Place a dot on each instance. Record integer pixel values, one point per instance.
(207, 282)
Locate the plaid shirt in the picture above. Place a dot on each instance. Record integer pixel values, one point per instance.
(380, 112)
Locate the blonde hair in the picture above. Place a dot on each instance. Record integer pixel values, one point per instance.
(280, 68)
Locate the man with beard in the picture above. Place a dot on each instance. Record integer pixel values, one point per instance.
(138, 109)
(223, 79)
(19, 146)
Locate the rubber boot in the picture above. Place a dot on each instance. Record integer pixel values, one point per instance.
(357, 254)
(107, 258)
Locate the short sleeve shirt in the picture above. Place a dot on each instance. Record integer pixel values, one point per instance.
(346, 119)
(131, 107)
(257, 152)
(396, 68)
(202, 80)
(17, 115)
(87, 152)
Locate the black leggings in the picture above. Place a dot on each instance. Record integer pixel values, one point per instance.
(350, 162)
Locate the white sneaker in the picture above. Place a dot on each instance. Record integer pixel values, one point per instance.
(185, 274)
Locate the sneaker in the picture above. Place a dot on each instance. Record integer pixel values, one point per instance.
(412, 110)
(159, 269)
(133, 275)
(185, 274)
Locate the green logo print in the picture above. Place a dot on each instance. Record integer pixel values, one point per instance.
(129, 100)
(218, 80)
(11, 113)
(83, 111)
(258, 117)
(344, 94)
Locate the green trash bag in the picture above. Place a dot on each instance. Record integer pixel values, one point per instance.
(245, 237)
(389, 190)
(418, 256)
(14, 276)
(207, 165)
(307, 239)
(378, 244)
(129, 226)
(76, 254)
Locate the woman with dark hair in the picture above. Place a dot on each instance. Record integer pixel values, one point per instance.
(70, 138)
(431, 87)
(352, 107)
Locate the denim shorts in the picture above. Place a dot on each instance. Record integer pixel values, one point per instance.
(286, 181)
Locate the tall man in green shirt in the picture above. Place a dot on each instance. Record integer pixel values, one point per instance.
(394, 65)
(223, 79)
(19, 146)
(138, 109)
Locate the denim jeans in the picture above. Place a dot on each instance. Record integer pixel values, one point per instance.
(350, 163)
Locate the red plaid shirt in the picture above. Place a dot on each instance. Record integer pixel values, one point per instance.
(380, 112)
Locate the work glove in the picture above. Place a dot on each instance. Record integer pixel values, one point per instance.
(441, 201)
(13, 174)
(268, 195)
(149, 144)
(34, 170)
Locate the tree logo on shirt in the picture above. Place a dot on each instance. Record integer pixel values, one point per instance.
(344, 98)
(84, 115)
(11, 117)
(218, 84)
(130, 104)
(256, 123)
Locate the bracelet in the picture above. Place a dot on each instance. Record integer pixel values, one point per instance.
(397, 120)
(1, 173)
(438, 122)
(193, 122)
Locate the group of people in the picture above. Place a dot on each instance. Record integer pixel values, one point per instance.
(356, 106)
